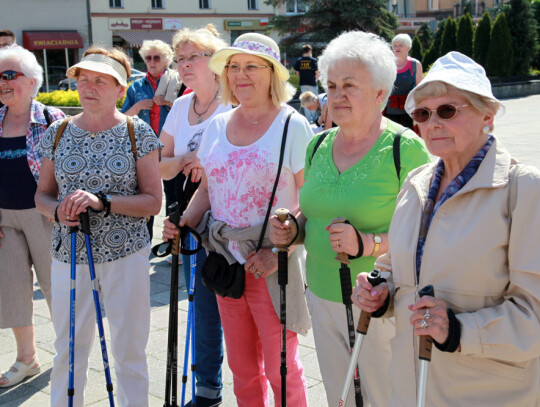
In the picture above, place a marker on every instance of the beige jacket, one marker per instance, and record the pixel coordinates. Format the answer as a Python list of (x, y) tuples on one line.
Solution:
[(485, 264), (169, 84)]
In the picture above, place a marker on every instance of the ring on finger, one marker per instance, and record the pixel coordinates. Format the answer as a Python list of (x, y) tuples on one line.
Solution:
[(423, 324), (427, 315), (252, 268), (258, 274), (338, 244)]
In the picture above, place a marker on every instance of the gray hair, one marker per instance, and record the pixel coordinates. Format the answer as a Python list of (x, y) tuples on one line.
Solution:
[(366, 49), (28, 64), (164, 49), (404, 39)]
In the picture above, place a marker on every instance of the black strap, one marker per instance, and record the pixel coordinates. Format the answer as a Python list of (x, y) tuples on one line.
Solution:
[(397, 153), (281, 155), (318, 143), (47, 116)]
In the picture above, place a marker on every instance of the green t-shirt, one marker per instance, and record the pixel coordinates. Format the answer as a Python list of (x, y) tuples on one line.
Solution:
[(365, 194)]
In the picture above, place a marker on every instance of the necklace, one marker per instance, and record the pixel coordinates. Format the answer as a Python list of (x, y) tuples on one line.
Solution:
[(199, 115)]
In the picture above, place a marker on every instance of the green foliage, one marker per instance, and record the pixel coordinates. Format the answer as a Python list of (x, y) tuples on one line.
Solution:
[(500, 58), (430, 57), (467, 8), (66, 98), (522, 28), (535, 5), (448, 42), (482, 40), (326, 19), (416, 49), (425, 36), (465, 33)]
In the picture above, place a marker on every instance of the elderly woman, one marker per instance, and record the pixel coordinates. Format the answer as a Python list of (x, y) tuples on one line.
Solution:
[(182, 134), (409, 74), (352, 174), (141, 100), (463, 224), (94, 169), (23, 230), (239, 159), (319, 104)]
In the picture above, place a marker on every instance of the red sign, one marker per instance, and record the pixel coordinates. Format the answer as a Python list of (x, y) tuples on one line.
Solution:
[(146, 24), (52, 39)]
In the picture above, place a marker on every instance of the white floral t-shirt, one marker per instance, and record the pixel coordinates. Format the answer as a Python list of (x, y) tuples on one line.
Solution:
[(240, 179)]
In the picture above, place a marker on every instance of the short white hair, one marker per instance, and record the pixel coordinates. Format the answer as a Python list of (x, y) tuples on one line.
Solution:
[(366, 49), (164, 49), (404, 39), (28, 64)]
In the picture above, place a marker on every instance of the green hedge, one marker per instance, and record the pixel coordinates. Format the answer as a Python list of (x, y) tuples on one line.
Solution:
[(66, 98)]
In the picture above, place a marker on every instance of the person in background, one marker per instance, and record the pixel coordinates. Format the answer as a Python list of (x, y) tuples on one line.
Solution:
[(141, 101), (94, 169), (353, 175), (182, 135), (308, 72), (24, 232), (409, 74), (7, 38), (467, 224), (319, 104)]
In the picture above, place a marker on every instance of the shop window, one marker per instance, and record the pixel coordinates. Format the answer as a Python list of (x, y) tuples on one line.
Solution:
[(204, 4), (253, 5), (116, 3), (158, 3), (296, 6)]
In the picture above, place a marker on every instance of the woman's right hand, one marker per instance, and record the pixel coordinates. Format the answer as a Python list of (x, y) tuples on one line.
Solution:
[(366, 297), (145, 104), (281, 234), (190, 164), (74, 204)]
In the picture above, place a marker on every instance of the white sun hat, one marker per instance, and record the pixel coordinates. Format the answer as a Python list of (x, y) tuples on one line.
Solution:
[(254, 44), (100, 63), (461, 72)]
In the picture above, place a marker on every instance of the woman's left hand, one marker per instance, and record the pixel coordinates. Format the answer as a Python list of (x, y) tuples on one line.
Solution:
[(261, 263), (343, 238), (433, 311), (76, 202), (190, 164)]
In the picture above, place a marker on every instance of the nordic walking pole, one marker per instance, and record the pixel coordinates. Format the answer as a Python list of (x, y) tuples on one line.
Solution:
[(375, 279), (346, 292), (172, 340), (71, 388), (425, 343), (85, 228), (190, 333), (283, 277)]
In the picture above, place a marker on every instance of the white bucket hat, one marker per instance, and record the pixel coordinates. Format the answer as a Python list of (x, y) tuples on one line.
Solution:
[(100, 63), (254, 44), (461, 72)]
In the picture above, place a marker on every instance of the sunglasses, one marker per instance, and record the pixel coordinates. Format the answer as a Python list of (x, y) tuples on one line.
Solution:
[(445, 112), (10, 75), (149, 58)]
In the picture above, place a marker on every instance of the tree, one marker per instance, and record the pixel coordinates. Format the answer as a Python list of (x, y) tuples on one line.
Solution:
[(448, 42), (536, 13), (481, 40), (465, 33), (430, 56), (500, 58), (416, 49), (326, 19), (425, 36), (522, 28), (467, 8)]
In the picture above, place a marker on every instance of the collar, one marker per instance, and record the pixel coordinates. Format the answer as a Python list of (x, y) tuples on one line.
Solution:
[(36, 113), (152, 80)]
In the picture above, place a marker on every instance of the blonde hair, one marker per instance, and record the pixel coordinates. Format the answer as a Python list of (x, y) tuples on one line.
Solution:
[(280, 91), (161, 47), (115, 53), (307, 98), (204, 38)]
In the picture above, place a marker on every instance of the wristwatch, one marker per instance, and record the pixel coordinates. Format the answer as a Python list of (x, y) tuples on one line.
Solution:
[(106, 200), (377, 240)]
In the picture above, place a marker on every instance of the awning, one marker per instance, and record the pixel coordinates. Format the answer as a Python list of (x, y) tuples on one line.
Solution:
[(52, 39), (136, 38)]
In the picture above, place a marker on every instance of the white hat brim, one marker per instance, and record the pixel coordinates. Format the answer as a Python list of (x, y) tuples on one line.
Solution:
[(100, 67)]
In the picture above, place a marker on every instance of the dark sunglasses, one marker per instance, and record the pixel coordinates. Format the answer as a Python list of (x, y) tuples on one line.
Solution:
[(10, 75), (445, 112), (149, 58)]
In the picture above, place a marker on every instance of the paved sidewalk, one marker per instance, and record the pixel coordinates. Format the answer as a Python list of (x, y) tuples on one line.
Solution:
[(519, 130)]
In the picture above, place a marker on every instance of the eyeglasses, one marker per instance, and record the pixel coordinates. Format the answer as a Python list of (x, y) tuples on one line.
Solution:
[(248, 69), (10, 75), (149, 58), (445, 112), (191, 58)]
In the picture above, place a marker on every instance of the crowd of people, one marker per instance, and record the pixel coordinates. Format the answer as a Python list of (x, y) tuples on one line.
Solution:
[(448, 208)]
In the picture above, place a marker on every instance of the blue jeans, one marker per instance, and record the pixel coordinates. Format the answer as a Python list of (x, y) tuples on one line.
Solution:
[(208, 333)]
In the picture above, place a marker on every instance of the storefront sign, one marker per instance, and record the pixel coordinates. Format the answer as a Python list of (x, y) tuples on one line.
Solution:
[(146, 24), (172, 23), (119, 23)]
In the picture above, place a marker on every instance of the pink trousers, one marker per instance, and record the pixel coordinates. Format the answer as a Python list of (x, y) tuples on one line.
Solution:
[(253, 339)]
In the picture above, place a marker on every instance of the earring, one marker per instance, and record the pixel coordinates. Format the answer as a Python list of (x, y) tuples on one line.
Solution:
[(485, 130)]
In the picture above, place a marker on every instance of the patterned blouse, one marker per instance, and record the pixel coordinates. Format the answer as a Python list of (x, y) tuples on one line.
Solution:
[(457, 183), (99, 162)]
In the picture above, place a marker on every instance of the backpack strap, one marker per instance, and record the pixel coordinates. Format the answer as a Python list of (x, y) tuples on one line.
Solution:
[(47, 115), (60, 132), (319, 141), (131, 132), (397, 153)]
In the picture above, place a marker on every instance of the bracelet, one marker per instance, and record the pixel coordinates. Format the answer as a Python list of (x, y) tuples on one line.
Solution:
[(360, 243), (56, 214), (454, 334)]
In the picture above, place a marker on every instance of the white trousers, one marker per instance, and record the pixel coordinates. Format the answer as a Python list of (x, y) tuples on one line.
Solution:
[(124, 287), (329, 323)]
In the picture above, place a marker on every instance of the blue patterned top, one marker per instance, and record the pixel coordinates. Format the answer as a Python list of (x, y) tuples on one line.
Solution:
[(457, 183)]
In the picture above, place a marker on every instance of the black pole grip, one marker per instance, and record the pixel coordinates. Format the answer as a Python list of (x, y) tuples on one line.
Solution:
[(375, 278), (346, 285), (85, 222), (174, 213), (427, 290)]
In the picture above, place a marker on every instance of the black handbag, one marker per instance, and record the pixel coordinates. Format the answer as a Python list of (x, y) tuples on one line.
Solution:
[(229, 280)]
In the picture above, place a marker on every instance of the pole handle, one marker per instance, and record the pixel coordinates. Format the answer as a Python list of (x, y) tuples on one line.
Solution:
[(425, 342), (341, 257), (375, 278), (174, 217), (282, 215), (85, 222)]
